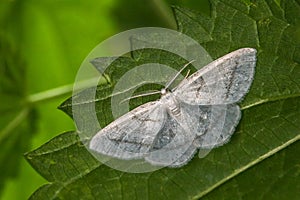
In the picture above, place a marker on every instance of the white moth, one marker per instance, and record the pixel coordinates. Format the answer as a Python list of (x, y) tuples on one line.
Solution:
[(200, 113)]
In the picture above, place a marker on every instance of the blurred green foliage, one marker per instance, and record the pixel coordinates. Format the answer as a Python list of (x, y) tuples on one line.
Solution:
[(52, 37)]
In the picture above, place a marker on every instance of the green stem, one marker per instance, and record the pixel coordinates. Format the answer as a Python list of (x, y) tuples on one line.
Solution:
[(60, 91), (44, 96), (50, 94)]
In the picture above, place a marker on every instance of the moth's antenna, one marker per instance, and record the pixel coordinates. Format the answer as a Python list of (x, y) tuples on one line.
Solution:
[(187, 74), (173, 79), (140, 95)]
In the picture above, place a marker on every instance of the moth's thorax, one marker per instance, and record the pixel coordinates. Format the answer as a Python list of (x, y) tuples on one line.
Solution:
[(163, 91), (169, 99)]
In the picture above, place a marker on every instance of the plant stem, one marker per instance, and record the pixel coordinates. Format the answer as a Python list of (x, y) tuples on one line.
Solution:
[(60, 91)]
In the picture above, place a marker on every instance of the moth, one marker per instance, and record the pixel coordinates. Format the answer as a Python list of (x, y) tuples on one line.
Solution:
[(200, 113)]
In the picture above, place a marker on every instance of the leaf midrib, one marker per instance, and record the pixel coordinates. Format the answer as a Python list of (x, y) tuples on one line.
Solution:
[(249, 165), (268, 100), (245, 107)]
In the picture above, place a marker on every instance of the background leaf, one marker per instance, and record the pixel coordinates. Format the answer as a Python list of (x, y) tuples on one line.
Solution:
[(18, 125), (265, 141)]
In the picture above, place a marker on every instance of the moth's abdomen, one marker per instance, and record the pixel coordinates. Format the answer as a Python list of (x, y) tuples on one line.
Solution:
[(172, 104), (175, 110)]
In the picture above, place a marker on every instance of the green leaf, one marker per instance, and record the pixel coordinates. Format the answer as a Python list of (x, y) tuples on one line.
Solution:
[(275, 178), (262, 154), (17, 118)]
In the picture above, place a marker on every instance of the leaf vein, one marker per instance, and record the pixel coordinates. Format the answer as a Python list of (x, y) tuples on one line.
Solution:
[(249, 165)]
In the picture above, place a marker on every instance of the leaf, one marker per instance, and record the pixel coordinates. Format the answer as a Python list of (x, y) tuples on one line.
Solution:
[(275, 178), (265, 140), (17, 119)]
